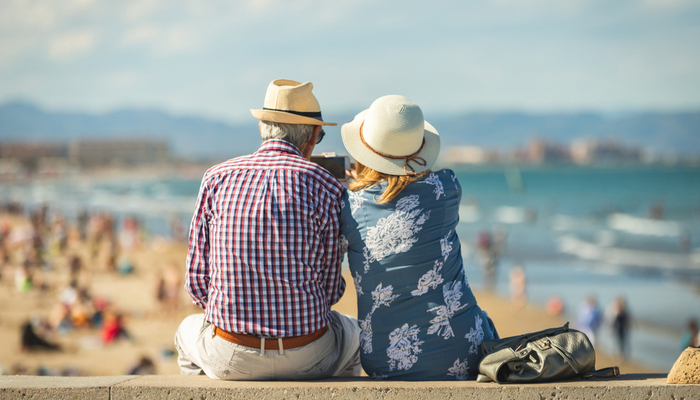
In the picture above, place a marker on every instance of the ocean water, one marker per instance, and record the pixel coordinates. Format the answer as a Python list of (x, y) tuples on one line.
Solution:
[(582, 232), (576, 231)]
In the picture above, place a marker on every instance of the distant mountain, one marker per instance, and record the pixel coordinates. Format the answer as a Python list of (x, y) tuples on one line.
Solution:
[(198, 137), (663, 132), (190, 137)]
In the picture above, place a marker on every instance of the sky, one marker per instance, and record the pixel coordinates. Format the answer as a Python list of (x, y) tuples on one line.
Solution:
[(216, 58)]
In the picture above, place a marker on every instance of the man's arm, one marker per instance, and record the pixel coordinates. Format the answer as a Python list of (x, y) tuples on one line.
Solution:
[(333, 279), (197, 276)]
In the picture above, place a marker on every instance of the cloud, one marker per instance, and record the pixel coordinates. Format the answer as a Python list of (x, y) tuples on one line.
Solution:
[(144, 34), (69, 45), (122, 80), (10, 49), (178, 39), (78, 4), (140, 9), (27, 14), (667, 4), (162, 41)]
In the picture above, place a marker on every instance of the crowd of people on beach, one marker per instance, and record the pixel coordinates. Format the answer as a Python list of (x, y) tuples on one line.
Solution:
[(591, 318), (43, 256)]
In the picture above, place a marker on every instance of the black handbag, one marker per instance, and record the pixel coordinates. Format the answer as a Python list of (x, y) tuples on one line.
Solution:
[(548, 355)]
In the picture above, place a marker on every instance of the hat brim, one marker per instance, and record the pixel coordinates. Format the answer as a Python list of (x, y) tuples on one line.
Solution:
[(287, 118), (350, 132)]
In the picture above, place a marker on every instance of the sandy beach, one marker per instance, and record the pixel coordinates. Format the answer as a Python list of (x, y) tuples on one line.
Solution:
[(149, 324)]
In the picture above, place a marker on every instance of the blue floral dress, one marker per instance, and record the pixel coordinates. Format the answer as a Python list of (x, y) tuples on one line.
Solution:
[(418, 317)]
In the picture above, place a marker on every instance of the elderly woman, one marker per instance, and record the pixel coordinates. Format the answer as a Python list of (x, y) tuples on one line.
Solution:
[(418, 317)]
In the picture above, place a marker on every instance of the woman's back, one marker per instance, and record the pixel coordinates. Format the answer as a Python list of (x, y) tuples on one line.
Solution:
[(418, 316)]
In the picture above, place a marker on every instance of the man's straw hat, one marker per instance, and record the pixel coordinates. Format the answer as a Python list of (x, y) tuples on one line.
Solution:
[(290, 102), (392, 137)]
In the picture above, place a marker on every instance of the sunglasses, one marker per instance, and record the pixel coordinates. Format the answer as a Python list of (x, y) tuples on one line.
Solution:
[(321, 134)]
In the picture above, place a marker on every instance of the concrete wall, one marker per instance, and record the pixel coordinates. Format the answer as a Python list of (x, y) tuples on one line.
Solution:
[(633, 386)]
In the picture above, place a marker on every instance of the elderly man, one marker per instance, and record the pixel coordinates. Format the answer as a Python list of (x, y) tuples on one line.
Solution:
[(264, 258)]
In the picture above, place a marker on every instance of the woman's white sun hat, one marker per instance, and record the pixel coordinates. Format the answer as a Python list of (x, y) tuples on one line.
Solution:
[(290, 102), (392, 137)]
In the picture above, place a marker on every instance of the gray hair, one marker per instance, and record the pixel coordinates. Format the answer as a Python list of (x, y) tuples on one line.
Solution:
[(296, 134)]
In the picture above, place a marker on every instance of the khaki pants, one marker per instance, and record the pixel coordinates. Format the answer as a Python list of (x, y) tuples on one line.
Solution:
[(336, 353)]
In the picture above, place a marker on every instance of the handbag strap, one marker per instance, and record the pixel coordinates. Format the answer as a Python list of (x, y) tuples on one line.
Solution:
[(518, 342), (609, 372)]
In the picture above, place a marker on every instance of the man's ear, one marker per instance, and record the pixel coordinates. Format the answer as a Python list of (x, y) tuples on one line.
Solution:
[(317, 129), (308, 147)]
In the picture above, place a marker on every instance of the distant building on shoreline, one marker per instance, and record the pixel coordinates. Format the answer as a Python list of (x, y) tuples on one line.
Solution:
[(594, 151), (97, 153), (468, 155), (539, 151), (19, 159), (30, 153)]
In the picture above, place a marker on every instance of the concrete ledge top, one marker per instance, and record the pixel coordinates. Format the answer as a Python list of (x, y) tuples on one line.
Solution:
[(174, 381), (26, 381), (637, 386)]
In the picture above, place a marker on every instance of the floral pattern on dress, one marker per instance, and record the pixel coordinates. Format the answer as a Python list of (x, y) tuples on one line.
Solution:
[(452, 292), (445, 246), (454, 180), (357, 201), (403, 347), (434, 180), (432, 278), (366, 333), (475, 336), (382, 296), (358, 280), (396, 233), (460, 370), (368, 258)]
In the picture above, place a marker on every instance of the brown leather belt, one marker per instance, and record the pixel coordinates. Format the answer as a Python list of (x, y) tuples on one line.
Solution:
[(270, 343)]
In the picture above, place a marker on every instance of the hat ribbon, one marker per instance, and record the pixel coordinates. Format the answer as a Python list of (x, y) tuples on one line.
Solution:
[(411, 157), (311, 114)]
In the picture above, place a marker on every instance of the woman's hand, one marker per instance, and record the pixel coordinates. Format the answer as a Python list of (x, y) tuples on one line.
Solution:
[(351, 173)]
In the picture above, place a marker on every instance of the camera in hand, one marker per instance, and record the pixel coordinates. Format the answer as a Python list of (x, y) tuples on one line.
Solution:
[(335, 164)]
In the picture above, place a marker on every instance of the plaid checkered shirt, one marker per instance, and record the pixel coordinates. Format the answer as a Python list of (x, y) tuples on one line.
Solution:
[(264, 257)]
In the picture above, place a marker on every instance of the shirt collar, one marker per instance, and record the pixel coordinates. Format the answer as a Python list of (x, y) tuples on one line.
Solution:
[(277, 145)]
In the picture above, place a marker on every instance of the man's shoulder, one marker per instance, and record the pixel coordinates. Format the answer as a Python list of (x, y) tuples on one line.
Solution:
[(320, 175), (226, 166), (300, 166)]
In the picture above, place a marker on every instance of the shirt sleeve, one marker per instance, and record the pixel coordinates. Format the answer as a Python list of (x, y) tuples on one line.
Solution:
[(333, 278), (197, 275)]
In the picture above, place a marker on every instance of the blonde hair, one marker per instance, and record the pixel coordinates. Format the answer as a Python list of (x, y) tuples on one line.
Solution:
[(368, 178)]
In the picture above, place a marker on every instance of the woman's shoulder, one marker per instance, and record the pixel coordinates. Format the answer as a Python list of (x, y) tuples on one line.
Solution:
[(439, 182), (444, 176)]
